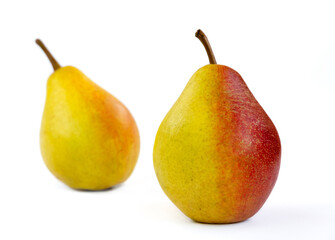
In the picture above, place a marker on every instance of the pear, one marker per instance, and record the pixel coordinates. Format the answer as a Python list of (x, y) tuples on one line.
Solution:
[(88, 138), (217, 153)]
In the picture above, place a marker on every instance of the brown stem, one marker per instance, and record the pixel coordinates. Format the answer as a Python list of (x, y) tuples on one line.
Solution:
[(202, 37), (53, 61)]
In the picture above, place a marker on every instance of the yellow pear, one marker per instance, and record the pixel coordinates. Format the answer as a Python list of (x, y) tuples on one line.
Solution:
[(217, 153), (88, 138)]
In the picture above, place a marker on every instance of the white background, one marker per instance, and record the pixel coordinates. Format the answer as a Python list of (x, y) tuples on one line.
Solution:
[(144, 52)]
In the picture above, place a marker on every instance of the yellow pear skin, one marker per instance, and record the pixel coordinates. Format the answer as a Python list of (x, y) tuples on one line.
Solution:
[(88, 138), (217, 153)]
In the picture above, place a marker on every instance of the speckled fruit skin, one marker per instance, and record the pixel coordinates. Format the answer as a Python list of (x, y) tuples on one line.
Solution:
[(217, 153), (89, 140)]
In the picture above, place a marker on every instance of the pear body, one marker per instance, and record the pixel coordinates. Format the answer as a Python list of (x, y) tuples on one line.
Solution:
[(88, 138), (217, 153)]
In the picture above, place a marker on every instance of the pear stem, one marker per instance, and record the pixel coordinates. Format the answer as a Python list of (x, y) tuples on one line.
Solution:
[(202, 37), (53, 61)]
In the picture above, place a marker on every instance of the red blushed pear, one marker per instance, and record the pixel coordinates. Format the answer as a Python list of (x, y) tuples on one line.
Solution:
[(89, 140), (217, 153)]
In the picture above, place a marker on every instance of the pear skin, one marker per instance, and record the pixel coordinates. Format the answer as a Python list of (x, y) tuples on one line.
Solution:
[(217, 153), (89, 140)]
